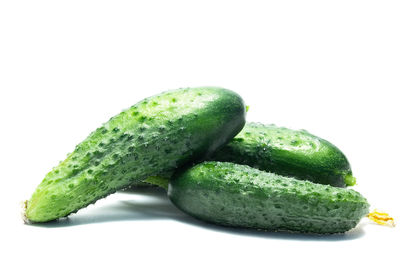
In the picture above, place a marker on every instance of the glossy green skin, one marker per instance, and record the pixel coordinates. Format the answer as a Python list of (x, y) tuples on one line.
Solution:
[(236, 195), (154, 136), (288, 152)]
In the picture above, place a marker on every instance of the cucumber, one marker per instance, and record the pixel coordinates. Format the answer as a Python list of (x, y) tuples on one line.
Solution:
[(236, 195), (153, 136), (288, 152), (294, 153)]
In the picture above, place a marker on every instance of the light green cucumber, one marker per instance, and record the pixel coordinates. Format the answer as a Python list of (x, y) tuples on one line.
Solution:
[(153, 136)]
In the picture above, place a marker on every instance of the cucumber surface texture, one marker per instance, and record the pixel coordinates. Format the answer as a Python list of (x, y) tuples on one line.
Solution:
[(154, 136), (236, 195), (294, 153)]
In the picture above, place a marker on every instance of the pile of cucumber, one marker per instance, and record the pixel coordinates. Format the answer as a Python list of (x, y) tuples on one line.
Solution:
[(216, 167)]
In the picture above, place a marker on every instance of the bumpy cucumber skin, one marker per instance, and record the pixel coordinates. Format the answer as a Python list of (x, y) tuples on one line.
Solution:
[(240, 196), (154, 136), (288, 152)]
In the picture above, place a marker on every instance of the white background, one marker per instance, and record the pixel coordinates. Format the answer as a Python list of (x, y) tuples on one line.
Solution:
[(331, 67)]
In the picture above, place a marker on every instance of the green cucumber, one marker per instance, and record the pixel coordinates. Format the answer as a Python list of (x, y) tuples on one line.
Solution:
[(288, 152), (236, 195), (153, 136)]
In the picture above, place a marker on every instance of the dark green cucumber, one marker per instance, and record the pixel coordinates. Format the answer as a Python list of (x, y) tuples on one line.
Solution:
[(288, 152), (240, 196), (154, 136)]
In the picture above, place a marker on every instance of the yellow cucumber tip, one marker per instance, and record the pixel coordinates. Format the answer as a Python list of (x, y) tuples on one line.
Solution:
[(381, 218)]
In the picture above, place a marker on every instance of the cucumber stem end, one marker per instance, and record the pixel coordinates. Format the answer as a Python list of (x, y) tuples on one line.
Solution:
[(349, 180)]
